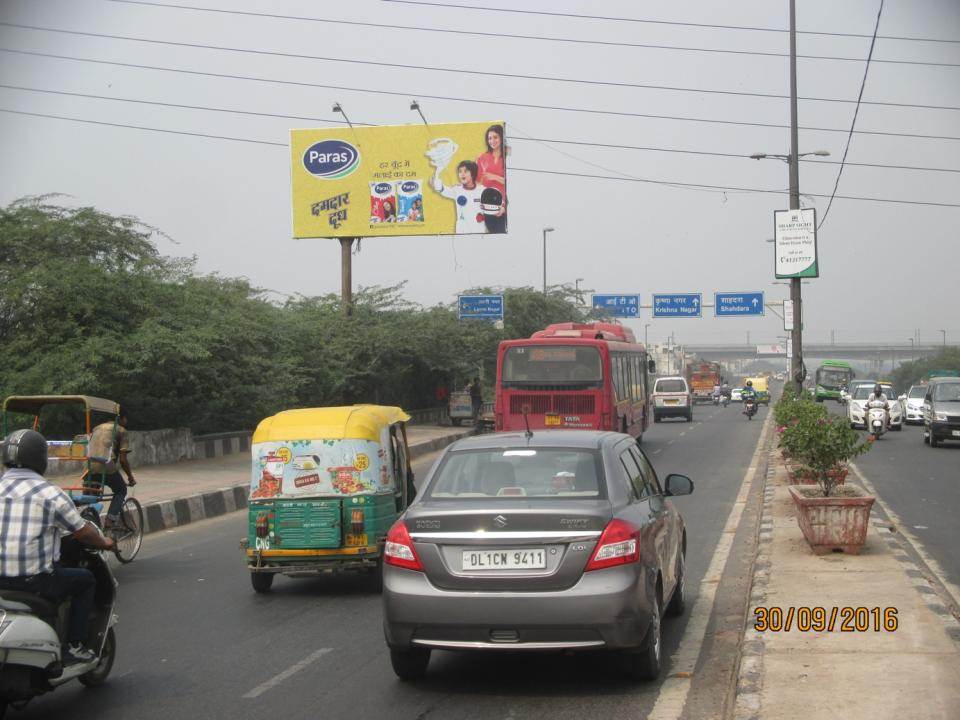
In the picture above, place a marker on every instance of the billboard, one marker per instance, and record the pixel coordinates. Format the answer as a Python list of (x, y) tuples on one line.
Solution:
[(795, 243), (391, 180)]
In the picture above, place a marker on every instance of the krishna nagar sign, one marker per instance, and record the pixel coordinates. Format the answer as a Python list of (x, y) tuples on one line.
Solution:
[(795, 243)]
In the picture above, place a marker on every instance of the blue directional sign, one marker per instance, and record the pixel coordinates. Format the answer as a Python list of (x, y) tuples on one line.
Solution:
[(674, 305), (738, 304), (482, 307), (627, 306)]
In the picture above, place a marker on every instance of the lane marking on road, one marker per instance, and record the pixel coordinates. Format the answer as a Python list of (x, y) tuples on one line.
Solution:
[(683, 433), (674, 690), (657, 451), (902, 530), (292, 670)]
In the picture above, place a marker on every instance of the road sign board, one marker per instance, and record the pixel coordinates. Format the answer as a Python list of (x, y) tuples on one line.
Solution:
[(738, 304), (774, 349), (481, 307), (788, 314), (618, 305), (677, 305), (795, 243)]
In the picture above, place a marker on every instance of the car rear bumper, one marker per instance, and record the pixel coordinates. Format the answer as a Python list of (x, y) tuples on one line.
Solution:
[(671, 411), (605, 609)]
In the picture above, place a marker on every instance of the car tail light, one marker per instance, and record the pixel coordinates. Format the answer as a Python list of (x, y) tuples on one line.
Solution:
[(398, 549), (262, 525), (618, 545)]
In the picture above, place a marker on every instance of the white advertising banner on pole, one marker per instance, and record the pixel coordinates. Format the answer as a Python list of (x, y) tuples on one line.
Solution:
[(795, 243), (789, 348), (788, 314), (774, 349)]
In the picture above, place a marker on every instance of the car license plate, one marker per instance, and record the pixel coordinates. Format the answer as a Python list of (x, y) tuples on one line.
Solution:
[(956, 433), (519, 558), (356, 539), (551, 420), (673, 401)]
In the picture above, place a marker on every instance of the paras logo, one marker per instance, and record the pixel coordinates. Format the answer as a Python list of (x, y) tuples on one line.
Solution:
[(382, 188), (331, 159), (409, 187)]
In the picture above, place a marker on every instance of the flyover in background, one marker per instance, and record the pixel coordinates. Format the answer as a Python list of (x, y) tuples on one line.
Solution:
[(878, 352)]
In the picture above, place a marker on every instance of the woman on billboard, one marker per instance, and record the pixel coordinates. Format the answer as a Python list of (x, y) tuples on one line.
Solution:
[(492, 172)]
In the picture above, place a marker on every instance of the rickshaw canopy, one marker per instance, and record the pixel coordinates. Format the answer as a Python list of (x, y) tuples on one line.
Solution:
[(33, 403), (354, 422)]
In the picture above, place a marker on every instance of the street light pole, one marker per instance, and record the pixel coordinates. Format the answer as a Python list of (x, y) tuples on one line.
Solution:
[(796, 362), (911, 348), (545, 231), (645, 326), (576, 284), (944, 337)]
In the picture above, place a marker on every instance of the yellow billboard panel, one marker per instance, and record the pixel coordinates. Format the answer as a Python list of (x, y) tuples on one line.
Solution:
[(399, 180)]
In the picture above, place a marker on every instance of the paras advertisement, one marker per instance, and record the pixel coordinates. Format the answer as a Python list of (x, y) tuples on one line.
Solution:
[(447, 179)]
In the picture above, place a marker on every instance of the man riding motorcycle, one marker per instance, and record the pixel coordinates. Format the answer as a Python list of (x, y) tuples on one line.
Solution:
[(34, 514), (878, 399), (748, 395)]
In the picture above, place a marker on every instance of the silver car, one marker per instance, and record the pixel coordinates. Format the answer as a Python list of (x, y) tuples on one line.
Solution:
[(556, 540)]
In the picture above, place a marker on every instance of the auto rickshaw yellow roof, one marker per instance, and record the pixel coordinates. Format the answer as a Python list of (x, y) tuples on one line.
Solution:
[(33, 403), (359, 422)]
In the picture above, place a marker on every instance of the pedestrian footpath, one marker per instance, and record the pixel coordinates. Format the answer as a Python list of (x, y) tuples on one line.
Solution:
[(901, 661), (192, 490)]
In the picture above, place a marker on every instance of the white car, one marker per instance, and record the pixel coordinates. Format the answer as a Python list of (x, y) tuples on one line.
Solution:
[(856, 413), (913, 411), (736, 395)]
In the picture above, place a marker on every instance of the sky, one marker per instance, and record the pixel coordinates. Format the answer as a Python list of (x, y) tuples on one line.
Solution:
[(887, 269)]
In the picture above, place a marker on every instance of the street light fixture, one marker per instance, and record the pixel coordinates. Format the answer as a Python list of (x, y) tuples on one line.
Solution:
[(545, 231), (786, 158)]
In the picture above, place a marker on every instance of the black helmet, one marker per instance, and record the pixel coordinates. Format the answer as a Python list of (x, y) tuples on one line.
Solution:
[(25, 449), (749, 383)]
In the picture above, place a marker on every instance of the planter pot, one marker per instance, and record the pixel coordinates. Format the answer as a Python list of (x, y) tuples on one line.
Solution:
[(798, 476), (833, 523)]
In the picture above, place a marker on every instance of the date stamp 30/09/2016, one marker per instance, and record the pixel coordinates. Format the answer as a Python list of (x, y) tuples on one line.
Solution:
[(822, 619)]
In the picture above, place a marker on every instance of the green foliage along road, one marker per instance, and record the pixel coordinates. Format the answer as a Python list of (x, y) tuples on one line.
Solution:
[(88, 305), (910, 373)]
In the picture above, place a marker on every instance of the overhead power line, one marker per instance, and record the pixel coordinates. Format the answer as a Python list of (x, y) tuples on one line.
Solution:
[(654, 22), (553, 141), (856, 110), (512, 36), (504, 103), (669, 183), (468, 71)]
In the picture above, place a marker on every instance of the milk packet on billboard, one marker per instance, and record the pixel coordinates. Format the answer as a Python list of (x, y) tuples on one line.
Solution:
[(383, 203), (410, 201)]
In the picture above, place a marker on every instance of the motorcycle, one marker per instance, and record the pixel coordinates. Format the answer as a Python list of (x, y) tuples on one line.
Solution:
[(876, 420), (32, 632), (750, 408), (724, 400)]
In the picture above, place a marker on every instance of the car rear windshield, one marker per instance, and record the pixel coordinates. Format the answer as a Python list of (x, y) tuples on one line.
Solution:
[(862, 392), (917, 391), (947, 392), (670, 386), (519, 472), (552, 364)]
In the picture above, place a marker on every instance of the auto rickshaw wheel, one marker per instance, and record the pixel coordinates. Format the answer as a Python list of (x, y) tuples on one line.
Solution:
[(261, 581)]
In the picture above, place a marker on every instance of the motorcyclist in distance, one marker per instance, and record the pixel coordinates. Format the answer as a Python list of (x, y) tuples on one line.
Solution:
[(748, 394), (878, 399)]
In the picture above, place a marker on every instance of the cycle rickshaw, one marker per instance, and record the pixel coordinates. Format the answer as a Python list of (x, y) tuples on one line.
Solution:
[(52, 415)]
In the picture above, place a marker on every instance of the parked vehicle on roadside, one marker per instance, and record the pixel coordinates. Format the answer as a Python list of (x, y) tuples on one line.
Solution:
[(459, 407), (326, 485), (672, 397), (941, 411), (555, 540)]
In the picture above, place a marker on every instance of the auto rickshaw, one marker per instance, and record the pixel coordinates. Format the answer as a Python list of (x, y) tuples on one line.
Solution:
[(53, 415), (326, 486)]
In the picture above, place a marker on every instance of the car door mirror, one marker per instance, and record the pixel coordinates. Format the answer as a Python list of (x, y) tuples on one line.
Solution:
[(678, 485), (902, 397)]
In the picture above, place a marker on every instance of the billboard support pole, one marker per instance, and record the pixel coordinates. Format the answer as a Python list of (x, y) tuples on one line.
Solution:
[(796, 362), (346, 278)]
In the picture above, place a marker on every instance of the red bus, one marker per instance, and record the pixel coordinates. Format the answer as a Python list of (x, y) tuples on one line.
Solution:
[(575, 376)]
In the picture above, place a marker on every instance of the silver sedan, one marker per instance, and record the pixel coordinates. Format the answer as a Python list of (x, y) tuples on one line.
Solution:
[(561, 540)]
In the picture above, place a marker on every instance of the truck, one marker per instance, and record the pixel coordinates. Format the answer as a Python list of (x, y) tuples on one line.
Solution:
[(702, 376)]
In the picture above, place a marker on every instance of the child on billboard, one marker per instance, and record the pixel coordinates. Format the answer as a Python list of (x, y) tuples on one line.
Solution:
[(466, 196)]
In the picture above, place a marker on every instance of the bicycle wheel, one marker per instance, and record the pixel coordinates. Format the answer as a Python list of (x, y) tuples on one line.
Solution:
[(128, 533)]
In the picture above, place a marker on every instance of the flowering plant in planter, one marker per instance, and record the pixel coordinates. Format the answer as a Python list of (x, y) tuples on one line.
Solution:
[(824, 445)]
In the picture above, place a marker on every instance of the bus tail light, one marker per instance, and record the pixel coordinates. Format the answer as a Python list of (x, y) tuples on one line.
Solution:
[(605, 422)]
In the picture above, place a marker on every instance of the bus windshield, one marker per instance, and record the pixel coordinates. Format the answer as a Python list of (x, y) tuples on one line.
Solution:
[(832, 377), (552, 364)]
